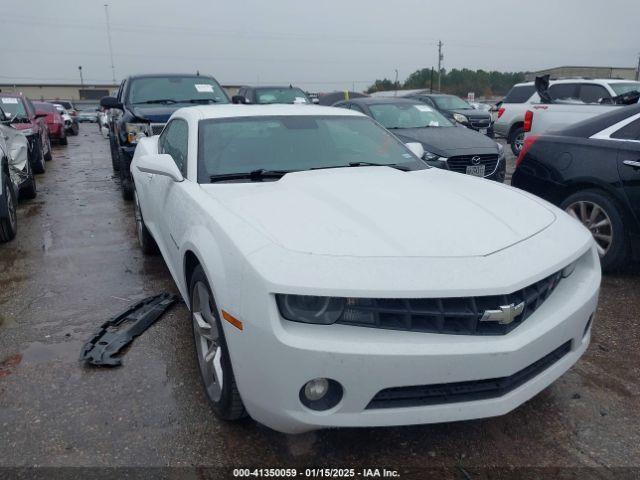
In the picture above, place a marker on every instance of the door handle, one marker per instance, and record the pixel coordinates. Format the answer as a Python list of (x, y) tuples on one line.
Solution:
[(632, 163)]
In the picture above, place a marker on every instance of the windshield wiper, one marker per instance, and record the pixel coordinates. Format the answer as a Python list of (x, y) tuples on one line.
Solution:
[(254, 176), (198, 100), (165, 101), (366, 164)]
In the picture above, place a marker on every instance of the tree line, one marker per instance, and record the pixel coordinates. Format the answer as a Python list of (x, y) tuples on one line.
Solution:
[(455, 81)]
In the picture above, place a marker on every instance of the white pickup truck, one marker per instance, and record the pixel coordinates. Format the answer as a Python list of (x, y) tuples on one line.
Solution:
[(542, 118), (552, 115)]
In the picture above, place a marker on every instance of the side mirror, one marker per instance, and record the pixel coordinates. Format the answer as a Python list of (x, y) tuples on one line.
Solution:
[(110, 102), (238, 99), (161, 164), (416, 148)]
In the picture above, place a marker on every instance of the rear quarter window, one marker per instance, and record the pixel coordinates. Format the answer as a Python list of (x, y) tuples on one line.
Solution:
[(520, 94)]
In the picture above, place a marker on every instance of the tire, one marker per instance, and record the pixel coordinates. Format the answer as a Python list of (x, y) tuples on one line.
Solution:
[(8, 214), (115, 159), (37, 162), (75, 129), (516, 140), (224, 398), (147, 243), (126, 182), (47, 156), (64, 140), (607, 223), (29, 190)]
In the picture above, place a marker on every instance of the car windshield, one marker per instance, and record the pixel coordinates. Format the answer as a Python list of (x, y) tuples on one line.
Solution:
[(280, 95), (13, 107), (622, 88), (403, 115), (163, 90), (294, 143), (450, 102)]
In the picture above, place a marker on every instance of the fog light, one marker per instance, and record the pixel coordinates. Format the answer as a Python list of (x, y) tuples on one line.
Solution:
[(315, 389), (321, 394)]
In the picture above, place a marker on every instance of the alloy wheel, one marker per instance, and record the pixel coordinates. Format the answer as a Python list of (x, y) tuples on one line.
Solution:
[(208, 345), (595, 218), (519, 141)]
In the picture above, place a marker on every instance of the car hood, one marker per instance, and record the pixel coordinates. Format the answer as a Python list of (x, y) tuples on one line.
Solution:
[(449, 141), (384, 212), (155, 113)]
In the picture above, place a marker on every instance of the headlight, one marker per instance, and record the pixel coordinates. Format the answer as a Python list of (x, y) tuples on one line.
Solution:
[(434, 160), (136, 131), (500, 150), (460, 118), (308, 309), (27, 131)]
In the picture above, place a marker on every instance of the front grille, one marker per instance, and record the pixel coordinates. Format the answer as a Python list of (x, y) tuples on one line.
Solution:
[(459, 164), (422, 395), (453, 316), (156, 128)]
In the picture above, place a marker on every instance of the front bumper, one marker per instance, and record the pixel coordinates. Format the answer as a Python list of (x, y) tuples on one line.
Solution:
[(273, 358)]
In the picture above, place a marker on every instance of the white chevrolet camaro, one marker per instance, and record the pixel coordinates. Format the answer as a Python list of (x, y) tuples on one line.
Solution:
[(335, 280)]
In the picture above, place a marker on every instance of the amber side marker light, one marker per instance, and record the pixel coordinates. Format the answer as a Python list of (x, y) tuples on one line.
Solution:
[(232, 320)]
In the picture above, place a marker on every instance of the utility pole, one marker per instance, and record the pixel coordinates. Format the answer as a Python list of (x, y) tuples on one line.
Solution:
[(395, 84), (440, 58), (431, 82), (638, 69), (81, 79), (113, 68)]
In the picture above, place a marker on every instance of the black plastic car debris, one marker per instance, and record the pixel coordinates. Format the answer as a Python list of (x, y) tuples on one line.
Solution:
[(113, 335)]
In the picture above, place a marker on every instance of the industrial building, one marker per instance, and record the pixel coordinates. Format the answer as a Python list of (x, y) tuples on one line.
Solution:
[(630, 73)]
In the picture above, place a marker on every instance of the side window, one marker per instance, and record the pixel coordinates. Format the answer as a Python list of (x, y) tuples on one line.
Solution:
[(173, 141), (357, 108), (564, 91), (591, 93), (629, 132), (121, 91)]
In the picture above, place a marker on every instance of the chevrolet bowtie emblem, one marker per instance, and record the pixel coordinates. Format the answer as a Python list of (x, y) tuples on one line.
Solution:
[(505, 315)]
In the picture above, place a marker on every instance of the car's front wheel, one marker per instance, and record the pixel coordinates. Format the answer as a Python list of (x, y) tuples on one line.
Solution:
[(212, 353), (47, 148), (600, 214), (37, 159), (29, 189), (146, 241)]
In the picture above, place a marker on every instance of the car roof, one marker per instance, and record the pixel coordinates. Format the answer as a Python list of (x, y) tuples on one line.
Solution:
[(255, 87), (382, 100), (165, 75), (241, 110), (579, 80)]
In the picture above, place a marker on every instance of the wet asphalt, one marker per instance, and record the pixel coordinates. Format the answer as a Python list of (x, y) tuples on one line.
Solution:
[(76, 263)]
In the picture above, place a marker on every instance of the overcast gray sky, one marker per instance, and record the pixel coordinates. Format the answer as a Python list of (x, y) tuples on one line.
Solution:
[(318, 45)]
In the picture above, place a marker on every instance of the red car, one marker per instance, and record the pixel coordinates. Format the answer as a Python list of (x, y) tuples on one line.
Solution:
[(54, 121), (23, 117)]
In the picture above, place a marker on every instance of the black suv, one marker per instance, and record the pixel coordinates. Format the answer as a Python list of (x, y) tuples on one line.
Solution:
[(143, 106), (458, 110)]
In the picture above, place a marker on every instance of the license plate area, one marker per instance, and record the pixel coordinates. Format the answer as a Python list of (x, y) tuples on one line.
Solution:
[(475, 170)]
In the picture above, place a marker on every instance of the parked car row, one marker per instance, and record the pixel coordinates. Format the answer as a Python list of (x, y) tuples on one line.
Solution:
[(27, 129)]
